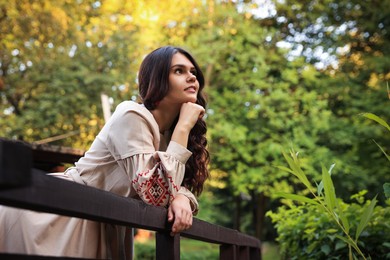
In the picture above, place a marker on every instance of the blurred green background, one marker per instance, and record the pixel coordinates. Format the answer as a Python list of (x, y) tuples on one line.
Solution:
[(280, 74)]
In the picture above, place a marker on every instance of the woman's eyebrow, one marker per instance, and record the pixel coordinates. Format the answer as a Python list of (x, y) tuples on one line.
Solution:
[(182, 66)]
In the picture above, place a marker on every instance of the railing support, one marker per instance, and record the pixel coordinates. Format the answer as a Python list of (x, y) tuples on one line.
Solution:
[(228, 252), (244, 253), (167, 246), (234, 252), (15, 164), (255, 253)]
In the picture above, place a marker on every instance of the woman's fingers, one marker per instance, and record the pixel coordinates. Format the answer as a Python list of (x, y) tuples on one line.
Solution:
[(183, 221), (190, 113), (182, 214)]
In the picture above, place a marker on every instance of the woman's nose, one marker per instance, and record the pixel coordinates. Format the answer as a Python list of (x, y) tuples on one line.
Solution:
[(191, 77)]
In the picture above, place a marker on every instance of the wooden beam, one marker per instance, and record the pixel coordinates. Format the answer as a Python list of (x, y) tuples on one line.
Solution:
[(54, 195), (50, 194)]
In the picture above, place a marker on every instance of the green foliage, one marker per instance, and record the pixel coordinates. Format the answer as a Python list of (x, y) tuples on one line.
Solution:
[(189, 250), (328, 203), (386, 188), (145, 251), (345, 218), (381, 122), (354, 86), (53, 70), (305, 231), (258, 103)]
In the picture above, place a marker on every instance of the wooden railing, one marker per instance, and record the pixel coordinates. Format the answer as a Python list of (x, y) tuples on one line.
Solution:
[(23, 186)]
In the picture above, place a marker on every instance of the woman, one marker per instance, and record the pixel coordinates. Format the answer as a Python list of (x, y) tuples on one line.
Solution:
[(155, 151)]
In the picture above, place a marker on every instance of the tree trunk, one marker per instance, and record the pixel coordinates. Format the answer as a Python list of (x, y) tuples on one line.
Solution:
[(259, 210), (237, 213)]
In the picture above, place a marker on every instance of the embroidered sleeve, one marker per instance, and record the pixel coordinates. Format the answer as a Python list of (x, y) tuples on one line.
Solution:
[(159, 176), (155, 176)]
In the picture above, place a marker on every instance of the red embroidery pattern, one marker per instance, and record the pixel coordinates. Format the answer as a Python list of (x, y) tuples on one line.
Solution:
[(154, 189), (157, 191)]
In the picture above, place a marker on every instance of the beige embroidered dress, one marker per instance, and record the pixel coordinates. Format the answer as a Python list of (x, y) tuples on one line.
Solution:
[(129, 157)]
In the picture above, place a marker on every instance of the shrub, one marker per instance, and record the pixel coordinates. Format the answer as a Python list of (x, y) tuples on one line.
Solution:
[(305, 232), (328, 228)]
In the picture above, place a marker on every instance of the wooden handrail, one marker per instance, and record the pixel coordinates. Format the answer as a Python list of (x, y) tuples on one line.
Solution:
[(40, 193)]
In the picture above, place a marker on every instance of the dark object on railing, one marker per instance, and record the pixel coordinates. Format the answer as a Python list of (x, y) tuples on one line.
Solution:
[(55, 154), (50, 158), (42, 195), (15, 163)]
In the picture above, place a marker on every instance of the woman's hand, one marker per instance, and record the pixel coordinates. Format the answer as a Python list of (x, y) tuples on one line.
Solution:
[(189, 115), (180, 213)]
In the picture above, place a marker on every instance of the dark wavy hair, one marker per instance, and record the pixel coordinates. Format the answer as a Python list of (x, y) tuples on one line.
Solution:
[(153, 80)]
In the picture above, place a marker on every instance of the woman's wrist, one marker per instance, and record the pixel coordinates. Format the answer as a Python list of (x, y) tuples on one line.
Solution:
[(180, 135), (184, 198)]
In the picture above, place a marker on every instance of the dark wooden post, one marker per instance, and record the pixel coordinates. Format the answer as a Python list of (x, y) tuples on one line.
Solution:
[(243, 253), (255, 253), (167, 247), (15, 163), (228, 252)]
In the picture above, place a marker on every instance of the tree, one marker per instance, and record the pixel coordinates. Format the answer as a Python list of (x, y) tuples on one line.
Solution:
[(55, 61), (352, 35), (259, 103)]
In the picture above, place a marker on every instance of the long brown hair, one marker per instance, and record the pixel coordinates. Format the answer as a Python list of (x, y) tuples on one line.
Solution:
[(153, 80)]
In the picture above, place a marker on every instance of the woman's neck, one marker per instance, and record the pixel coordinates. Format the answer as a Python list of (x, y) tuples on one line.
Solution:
[(165, 116)]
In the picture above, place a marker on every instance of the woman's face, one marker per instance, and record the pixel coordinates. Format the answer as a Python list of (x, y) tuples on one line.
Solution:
[(183, 84)]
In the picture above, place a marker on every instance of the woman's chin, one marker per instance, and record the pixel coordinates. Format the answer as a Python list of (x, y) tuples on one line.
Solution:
[(192, 100)]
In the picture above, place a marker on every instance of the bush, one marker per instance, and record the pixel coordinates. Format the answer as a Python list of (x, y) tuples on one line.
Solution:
[(144, 251), (323, 228), (306, 232)]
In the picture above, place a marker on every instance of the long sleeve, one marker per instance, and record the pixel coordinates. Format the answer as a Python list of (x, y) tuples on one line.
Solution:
[(155, 176)]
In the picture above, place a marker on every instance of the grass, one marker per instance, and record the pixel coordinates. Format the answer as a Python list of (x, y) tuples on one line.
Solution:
[(270, 251), (197, 250)]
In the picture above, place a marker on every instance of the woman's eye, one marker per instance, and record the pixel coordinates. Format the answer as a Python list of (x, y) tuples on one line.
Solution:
[(178, 71), (194, 72)]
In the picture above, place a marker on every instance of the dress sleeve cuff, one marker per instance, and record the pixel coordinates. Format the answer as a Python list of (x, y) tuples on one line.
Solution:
[(193, 202), (178, 151)]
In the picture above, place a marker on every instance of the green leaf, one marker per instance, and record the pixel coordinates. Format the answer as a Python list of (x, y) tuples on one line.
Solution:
[(344, 220), (376, 119), (295, 197), (330, 194), (326, 249), (312, 246), (331, 168), (285, 169), (348, 241), (386, 189), (340, 244), (365, 217), (293, 162), (331, 230), (320, 186), (383, 151)]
